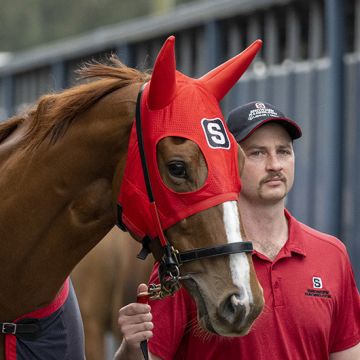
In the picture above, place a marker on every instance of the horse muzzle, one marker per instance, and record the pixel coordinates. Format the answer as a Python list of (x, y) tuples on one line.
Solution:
[(236, 314)]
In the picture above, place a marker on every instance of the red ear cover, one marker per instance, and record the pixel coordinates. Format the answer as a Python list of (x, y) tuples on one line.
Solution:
[(220, 80), (163, 80)]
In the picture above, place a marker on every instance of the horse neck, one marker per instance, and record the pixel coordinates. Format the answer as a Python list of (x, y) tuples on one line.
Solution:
[(59, 203)]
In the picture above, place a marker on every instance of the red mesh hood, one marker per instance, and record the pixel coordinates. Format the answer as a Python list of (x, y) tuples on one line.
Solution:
[(190, 111)]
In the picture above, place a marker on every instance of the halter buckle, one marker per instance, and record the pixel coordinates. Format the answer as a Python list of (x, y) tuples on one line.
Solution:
[(169, 275)]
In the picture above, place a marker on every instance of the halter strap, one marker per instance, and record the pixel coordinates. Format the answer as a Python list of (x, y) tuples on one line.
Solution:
[(153, 207), (227, 249), (141, 145)]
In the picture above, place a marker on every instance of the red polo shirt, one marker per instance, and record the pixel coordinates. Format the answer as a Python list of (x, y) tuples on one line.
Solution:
[(312, 307)]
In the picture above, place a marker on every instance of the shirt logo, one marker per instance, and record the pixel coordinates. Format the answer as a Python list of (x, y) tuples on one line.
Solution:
[(317, 282), (215, 133), (317, 289)]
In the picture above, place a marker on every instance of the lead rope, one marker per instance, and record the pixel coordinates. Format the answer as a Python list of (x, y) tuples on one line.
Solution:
[(143, 298)]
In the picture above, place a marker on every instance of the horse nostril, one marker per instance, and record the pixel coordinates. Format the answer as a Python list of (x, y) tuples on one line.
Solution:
[(233, 309), (235, 300), (239, 296)]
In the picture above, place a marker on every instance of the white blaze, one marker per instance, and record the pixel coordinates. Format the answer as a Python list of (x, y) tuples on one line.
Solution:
[(239, 265)]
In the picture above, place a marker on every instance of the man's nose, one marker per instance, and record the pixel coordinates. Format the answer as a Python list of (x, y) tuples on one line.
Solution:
[(274, 163)]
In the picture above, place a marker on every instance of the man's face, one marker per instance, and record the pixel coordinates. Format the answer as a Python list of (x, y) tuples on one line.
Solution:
[(268, 173)]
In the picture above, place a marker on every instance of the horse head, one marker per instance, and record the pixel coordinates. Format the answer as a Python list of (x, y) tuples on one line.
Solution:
[(181, 187)]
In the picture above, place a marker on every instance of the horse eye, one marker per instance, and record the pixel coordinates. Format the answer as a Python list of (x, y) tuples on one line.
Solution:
[(177, 169)]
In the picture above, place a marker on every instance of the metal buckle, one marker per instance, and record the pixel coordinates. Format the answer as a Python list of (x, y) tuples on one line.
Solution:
[(8, 328), (155, 292), (169, 276), (176, 256)]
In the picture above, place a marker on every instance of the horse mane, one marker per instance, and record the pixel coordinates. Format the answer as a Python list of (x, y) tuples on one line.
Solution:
[(8, 127), (54, 113)]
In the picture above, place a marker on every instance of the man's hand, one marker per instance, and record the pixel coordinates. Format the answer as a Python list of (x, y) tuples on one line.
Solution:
[(136, 326), (135, 322)]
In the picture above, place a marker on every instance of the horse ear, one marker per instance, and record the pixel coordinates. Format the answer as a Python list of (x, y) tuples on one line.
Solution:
[(163, 81), (220, 80)]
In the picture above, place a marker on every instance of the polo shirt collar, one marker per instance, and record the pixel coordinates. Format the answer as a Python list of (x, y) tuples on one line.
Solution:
[(295, 242)]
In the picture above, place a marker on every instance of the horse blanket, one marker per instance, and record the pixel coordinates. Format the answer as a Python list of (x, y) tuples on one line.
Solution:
[(61, 335)]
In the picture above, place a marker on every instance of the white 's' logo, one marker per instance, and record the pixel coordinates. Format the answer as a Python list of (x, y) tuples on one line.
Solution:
[(317, 282), (215, 133)]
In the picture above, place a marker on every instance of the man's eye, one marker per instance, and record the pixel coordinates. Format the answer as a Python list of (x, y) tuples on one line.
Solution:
[(177, 169), (256, 153), (284, 152)]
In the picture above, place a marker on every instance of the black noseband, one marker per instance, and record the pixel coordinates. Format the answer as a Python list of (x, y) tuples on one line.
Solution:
[(227, 249)]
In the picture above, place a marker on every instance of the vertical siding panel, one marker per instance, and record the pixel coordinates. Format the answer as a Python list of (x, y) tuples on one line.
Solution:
[(351, 179), (304, 84)]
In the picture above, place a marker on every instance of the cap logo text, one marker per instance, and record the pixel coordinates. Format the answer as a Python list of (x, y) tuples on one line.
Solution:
[(260, 105), (262, 112)]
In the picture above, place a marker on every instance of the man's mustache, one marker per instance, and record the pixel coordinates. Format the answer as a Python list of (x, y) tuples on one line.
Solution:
[(274, 176)]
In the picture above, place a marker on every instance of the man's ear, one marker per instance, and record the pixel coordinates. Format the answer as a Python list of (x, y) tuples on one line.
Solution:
[(241, 159)]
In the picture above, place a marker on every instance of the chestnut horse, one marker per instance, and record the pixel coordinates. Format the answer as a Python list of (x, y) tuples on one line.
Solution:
[(62, 165), (105, 280)]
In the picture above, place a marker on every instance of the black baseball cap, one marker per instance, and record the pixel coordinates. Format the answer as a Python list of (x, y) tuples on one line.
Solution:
[(245, 119)]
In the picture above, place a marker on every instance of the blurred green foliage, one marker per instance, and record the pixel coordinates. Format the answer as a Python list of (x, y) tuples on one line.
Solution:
[(27, 23)]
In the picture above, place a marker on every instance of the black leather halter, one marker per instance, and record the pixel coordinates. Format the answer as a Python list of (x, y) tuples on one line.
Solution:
[(172, 259)]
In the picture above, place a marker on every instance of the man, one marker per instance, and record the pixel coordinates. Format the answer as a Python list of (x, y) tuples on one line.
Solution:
[(312, 306)]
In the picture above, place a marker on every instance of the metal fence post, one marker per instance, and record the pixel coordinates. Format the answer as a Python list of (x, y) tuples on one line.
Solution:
[(8, 86), (335, 105)]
